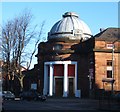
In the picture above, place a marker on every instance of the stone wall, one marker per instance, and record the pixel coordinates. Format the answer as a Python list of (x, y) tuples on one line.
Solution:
[(102, 54)]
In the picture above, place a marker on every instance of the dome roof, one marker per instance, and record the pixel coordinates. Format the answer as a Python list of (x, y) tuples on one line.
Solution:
[(70, 26)]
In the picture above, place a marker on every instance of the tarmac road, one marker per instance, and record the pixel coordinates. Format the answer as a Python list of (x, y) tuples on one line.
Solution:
[(60, 104)]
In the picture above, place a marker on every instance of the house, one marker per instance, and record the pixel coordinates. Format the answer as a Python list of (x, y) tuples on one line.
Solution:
[(106, 56)]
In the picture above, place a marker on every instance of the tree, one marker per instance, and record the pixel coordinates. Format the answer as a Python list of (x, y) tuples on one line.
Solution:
[(16, 35)]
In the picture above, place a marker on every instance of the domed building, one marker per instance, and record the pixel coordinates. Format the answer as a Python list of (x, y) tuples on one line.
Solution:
[(60, 60), (70, 27), (69, 62)]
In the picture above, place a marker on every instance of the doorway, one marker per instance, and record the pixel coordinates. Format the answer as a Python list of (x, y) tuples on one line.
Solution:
[(58, 87), (71, 87)]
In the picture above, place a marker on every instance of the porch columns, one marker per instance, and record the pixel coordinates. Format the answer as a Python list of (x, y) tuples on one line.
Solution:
[(65, 88), (45, 90), (51, 81)]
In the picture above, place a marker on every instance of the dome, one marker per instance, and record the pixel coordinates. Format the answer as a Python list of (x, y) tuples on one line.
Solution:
[(70, 26)]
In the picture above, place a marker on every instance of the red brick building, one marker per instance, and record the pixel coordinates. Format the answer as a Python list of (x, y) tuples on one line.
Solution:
[(73, 62), (107, 59)]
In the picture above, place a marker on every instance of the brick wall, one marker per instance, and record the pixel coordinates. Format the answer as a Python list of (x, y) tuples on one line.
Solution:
[(102, 54)]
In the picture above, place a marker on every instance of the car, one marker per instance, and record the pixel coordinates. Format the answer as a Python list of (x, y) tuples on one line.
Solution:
[(1, 101), (8, 95), (32, 95)]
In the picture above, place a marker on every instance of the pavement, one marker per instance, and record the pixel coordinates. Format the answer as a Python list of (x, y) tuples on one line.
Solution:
[(62, 104), (87, 104)]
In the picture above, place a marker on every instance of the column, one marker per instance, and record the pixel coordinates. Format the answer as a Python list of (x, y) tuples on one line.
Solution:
[(51, 81), (77, 92), (45, 90), (65, 91), (76, 77)]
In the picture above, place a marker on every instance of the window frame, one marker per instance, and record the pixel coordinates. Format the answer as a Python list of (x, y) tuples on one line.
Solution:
[(109, 73)]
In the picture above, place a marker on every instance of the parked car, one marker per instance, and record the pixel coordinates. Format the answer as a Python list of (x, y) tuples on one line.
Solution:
[(1, 101), (8, 95), (32, 95)]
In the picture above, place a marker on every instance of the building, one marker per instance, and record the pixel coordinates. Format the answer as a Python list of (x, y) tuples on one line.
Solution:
[(107, 59), (74, 63)]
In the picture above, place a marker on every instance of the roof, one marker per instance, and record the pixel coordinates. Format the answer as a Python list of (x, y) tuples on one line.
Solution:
[(70, 26), (109, 34)]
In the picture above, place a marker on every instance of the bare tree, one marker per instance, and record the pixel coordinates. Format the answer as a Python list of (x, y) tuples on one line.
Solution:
[(7, 45), (37, 41), (16, 35)]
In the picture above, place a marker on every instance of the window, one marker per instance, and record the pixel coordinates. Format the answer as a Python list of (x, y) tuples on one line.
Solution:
[(57, 47), (109, 69), (109, 62), (109, 73)]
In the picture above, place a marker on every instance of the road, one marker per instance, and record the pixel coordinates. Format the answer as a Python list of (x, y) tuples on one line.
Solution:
[(60, 104)]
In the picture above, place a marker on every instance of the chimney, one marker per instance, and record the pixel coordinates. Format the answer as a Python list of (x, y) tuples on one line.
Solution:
[(102, 29)]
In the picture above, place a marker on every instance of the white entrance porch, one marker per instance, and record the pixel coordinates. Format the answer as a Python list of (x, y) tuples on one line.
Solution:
[(49, 82)]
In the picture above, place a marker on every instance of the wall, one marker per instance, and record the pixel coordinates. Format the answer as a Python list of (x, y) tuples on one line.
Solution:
[(102, 54)]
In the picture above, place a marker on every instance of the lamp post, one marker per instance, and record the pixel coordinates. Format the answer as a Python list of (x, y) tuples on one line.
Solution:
[(113, 49), (113, 59), (112, 82)]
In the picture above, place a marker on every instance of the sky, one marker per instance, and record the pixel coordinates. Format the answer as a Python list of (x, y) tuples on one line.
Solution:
[(95, 14)]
